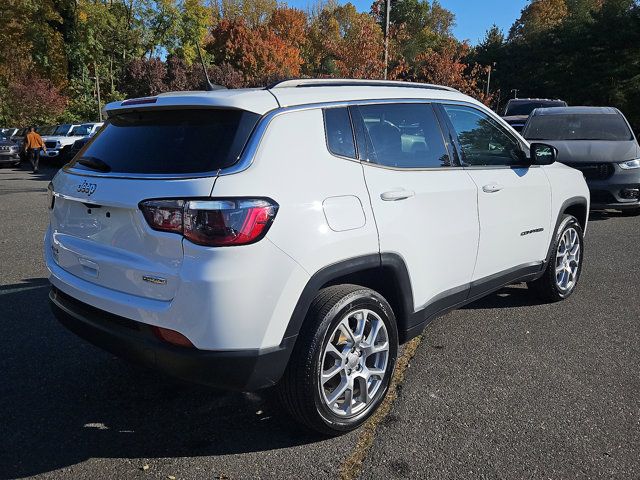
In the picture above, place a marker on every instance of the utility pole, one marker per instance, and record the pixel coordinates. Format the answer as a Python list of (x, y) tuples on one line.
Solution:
[(386, 38), (95, 69), (489, 77)]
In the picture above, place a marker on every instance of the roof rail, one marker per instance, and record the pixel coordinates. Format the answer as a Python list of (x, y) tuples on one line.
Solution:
[(349, 82)]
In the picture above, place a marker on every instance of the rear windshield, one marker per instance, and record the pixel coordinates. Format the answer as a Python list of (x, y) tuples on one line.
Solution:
[(171, 141), (578, 127), (525, 108)]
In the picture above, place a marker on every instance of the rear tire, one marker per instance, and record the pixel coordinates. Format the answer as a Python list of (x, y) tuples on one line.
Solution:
[(341, 366), (562, 273)]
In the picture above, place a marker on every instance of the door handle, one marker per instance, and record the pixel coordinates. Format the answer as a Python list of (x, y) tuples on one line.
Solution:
[(492, 188), (395, 195)]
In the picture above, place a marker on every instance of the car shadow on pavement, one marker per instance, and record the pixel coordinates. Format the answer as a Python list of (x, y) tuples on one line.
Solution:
[(508, 297), (45, 172), (64, 401), (600, 215)]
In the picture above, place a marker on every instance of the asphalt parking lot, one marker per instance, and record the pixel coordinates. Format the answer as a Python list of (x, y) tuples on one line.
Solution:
[(504, 388)]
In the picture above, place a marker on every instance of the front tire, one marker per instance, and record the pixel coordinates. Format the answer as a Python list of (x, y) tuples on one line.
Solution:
[(341, 367), (562, 273)]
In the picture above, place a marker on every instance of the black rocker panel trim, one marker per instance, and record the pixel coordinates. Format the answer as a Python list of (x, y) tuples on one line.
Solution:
[(410, 321)]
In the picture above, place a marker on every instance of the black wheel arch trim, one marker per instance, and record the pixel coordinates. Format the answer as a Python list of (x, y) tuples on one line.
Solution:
[(570, 202), (386, 263)]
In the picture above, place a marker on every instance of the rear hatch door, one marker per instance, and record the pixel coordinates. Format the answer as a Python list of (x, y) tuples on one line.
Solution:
[(98, 231)]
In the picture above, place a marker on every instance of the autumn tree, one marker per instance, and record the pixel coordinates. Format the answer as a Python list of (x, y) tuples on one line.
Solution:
[(345, 43), (145, 77), (32, 99), (446, 66), (195, 21), (253, 12), (260, 54), (538, 17)]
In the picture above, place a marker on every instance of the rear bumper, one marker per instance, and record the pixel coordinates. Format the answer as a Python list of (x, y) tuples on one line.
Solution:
[(244, 370)]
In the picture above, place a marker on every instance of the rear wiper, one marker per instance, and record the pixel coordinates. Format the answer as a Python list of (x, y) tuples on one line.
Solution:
[(94, 163)]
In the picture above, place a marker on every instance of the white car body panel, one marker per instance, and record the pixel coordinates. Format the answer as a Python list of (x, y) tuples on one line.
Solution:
[(440, 252), (566, 183), (312, 177), (511, 218)]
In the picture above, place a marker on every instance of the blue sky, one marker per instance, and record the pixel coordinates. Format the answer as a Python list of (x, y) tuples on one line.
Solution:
[(473, 17)]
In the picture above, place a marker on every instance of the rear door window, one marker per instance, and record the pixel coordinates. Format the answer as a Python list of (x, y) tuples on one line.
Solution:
[(170, 141), (403, 135)]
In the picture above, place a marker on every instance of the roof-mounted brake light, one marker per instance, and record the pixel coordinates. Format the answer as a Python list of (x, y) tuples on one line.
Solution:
[(139, 101)]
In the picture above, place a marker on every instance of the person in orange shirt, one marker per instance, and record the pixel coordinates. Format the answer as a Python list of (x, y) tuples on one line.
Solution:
[(33, 143)]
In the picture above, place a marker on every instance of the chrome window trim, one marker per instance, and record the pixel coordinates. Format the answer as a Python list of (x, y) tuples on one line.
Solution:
[(255, 139)]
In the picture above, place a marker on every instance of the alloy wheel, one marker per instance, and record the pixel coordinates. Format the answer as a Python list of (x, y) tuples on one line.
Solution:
[(568, 260), (354, 363)]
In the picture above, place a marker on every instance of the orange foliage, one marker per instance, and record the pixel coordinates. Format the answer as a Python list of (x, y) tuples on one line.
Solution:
[(259, 53), (445, 67), (290, 25), (345, 43)]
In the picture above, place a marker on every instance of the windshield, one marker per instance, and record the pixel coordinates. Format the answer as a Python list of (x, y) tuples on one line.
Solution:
[(80, 131), (62, 130), (578, 127), (171, 141), (526, 107)]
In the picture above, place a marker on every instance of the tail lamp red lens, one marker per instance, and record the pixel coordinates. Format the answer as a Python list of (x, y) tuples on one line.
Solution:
[(214, 223)]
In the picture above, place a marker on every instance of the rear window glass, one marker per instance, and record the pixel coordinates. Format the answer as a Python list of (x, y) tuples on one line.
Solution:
[(526, 107), (339, 132), (171, 141), (578, 127)]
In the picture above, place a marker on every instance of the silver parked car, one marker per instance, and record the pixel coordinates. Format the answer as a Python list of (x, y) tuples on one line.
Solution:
[(9, 151)]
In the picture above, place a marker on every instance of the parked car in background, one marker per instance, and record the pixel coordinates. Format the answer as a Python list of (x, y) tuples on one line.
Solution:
[(77, 146), (9, 132), (518, 109), (60, 141), (18, 139), (599, 142), (85, 131), (9, 151), (228, 237)]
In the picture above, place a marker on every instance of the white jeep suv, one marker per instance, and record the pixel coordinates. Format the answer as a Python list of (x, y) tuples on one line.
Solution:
[(294, 236)]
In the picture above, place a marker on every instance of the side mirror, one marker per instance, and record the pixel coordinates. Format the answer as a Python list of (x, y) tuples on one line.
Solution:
[(543, 154)]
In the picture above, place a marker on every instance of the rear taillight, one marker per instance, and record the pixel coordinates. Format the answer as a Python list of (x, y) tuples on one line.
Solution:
[(164, 215), (214, 223)]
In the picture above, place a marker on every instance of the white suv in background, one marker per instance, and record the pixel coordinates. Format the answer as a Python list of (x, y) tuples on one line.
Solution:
[(59, 144), (294, 236)]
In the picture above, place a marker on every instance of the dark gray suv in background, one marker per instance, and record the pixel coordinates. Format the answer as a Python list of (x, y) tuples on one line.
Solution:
[(517, 110), (598, 141)]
